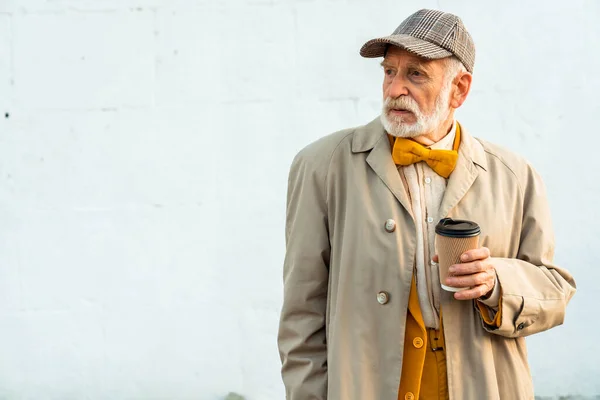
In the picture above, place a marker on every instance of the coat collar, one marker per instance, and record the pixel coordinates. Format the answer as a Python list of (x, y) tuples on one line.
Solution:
[(366, 136), (471, 160)]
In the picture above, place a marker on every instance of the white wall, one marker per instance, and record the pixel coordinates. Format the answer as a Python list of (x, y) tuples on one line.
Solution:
[(143, 169)]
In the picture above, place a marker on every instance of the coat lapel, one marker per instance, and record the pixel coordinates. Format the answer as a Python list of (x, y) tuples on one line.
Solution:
[(471, 160), (372, 137), (381, 162), (471, 157)]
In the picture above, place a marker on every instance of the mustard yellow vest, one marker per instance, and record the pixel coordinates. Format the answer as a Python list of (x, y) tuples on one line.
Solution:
[(424, 374)]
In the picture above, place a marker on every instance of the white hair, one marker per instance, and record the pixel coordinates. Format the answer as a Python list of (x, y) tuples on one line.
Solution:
[(453, 67)]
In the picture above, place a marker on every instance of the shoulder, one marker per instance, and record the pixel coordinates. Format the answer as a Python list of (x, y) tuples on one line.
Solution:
[(501, 159), (318, 154), (326, 146)]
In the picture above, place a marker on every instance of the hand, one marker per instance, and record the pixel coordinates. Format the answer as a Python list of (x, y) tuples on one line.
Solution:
[(476, 271)]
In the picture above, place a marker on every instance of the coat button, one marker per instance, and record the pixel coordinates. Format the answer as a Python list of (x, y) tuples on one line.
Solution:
[(390, 225), (383, 297), (409, 396), (418, 342)]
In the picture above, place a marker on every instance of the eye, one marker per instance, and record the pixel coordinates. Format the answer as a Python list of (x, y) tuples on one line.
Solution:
[(389, 71), (416, 73)]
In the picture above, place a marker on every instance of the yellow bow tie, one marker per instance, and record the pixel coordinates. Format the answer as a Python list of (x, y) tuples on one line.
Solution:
[(443, 162)]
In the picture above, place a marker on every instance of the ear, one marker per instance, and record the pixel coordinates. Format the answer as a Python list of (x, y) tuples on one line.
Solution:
[(462, 87)]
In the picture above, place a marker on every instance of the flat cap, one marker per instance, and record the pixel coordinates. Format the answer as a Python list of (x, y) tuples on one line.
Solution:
[(431, 34)]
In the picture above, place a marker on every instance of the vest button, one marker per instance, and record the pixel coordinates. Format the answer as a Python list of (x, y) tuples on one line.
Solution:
[(418, 342), (390, 225), (383, 297), (409, 396)]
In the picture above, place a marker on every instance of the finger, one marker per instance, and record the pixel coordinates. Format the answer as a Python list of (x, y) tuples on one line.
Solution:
[(475, 254), (481, 278), (468, 268), (472, 293), (435, 258)]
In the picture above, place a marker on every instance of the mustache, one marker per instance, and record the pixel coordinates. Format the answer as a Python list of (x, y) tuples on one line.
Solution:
[(404, 103)]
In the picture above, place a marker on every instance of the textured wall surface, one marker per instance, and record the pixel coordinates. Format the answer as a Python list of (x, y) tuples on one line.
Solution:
[(144, 151)]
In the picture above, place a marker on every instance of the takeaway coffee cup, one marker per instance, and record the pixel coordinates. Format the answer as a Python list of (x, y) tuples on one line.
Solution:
[(454, 237)]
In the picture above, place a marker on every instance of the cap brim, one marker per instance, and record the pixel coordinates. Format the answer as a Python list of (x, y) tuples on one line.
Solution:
[(377, 47)]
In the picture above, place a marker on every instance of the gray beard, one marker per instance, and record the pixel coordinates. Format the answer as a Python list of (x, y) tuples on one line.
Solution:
[(425, 123)]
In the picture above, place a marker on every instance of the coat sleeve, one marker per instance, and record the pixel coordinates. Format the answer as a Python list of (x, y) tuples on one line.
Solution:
[(301, 338), (534, 292)]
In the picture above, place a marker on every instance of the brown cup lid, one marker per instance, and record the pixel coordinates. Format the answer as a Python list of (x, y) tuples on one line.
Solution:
[(457, 228)]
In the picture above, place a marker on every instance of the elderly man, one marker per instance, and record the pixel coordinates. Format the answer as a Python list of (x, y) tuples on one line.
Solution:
[(364, 315)]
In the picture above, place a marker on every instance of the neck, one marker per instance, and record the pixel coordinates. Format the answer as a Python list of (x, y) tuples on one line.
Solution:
[(438, 134)]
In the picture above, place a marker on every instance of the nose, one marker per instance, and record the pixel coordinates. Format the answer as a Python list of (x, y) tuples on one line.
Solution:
[(396, 88)]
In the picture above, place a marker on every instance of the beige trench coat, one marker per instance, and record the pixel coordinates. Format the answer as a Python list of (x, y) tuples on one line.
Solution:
[(337, 342)]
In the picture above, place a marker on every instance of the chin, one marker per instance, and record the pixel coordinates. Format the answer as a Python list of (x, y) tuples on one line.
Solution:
[(398, 128)]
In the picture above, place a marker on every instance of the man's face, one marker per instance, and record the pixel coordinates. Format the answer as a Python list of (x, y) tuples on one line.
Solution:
[(416, 93)]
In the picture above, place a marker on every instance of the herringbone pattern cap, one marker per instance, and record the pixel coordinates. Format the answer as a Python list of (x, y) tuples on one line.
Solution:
[(430, 34)]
